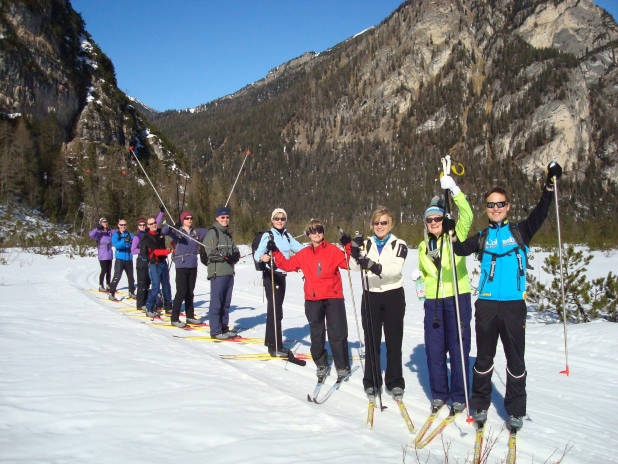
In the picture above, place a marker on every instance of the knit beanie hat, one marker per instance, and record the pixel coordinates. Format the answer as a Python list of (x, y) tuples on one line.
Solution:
[(140, 220), (102, 220), (184, 214), (436, 207), (278, 211), (221, 210)]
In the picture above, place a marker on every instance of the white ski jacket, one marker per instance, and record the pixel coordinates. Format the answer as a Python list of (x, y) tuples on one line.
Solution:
[(391, 259)]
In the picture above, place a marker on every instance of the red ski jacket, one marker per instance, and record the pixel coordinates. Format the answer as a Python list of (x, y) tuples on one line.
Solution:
[(320, 266)]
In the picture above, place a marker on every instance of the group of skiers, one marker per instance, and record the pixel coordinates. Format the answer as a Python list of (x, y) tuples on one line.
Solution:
[(500, 307)]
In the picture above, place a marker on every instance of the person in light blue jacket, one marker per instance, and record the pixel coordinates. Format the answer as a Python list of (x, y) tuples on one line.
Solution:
[(121, 241), (286, 245)]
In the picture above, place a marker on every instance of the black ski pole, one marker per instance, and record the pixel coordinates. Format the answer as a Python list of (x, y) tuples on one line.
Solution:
[(373, 354)]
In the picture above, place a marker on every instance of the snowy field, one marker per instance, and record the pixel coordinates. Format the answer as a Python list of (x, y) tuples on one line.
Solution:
[(85, 380)]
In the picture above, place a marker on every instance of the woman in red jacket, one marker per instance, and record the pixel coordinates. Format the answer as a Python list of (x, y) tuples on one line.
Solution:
[(320, 264)]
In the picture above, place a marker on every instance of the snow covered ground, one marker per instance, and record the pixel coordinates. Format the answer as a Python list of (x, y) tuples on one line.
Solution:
[(83, 380)]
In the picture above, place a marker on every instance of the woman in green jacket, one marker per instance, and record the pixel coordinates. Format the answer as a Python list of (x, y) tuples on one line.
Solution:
[(441, 335)]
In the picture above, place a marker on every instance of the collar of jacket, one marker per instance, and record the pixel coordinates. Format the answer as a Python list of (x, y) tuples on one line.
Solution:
[(321, 245), (220, 227), (498, 225)]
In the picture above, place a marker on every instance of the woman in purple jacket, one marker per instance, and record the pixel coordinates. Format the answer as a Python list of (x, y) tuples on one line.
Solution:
[(103, 236), (185, 259)]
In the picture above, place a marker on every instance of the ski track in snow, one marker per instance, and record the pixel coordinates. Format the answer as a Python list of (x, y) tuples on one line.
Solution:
[(84, 382)]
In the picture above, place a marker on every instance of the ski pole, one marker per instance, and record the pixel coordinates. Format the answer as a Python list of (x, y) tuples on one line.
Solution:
[(237, 176), (373, 354), (272, 283), (446, 162), (360, 343), (564, 309), (185, 235), (153, 187)]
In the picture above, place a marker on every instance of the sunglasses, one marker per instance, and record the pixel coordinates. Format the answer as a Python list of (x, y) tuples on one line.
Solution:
[(380, 223), (280, 219), (499, 204), (152, 223), (429, 220), (122, 225), (315, 230), (188, 218), (224, 217), (143, 224)]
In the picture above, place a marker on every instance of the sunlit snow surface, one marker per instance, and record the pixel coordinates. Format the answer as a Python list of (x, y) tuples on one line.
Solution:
[(83, 382)]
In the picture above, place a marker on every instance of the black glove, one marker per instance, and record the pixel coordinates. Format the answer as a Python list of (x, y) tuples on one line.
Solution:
[(235, 257), (553, 170), (358, 240), (162, 208), (345, 239), (99, 227), (177, 225), (366, 263), (271, 246), (355, 251), (448, 224), (376, 268)]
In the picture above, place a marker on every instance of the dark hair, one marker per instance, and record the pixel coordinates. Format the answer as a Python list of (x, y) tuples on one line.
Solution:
[(499, 190)]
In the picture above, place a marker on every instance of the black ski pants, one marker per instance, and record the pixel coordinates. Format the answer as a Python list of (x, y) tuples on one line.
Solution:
[(119, 266), (328, 316), (106, 271), (387, 310), (507, 320), (279, 278), (143, 281), (185, 284)]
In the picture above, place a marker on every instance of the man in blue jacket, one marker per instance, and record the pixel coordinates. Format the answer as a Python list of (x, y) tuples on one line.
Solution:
[(500, 308), (121, 241)]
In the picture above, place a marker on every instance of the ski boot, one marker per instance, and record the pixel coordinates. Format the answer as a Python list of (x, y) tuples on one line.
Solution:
[(322, 372), (514, 423), (343, 374)]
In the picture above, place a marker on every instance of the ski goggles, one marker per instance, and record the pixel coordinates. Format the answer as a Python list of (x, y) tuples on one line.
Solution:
[(314, 230), (497, 204)]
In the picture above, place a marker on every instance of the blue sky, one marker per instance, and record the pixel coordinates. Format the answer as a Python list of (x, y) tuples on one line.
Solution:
[(179, 54)]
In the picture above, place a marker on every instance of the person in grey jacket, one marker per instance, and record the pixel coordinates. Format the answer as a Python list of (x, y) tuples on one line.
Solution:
[(222, 255), (186, 240)]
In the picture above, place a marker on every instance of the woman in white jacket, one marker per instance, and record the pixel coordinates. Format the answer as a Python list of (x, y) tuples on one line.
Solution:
[(384, 301)]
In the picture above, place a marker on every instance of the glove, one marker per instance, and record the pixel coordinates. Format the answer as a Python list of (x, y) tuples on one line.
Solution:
[(448, 183), (272, 246), (162, 208), (235, 257), (355, 251), (366, 263), (177, 225), (99, 227), (448, 224), (416, 274), (553, 170), (345, 239), (358, 240)]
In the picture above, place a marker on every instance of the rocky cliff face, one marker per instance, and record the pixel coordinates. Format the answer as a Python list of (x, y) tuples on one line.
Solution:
[(52, 70), (515, 83)]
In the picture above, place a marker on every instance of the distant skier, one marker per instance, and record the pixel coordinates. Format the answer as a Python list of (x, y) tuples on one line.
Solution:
[(286, 245), (222, 255), (500, 308), (324, 306), (121, 240), (141, 262), (384, 300), (185, 260), (152, 247), (103, 236)]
